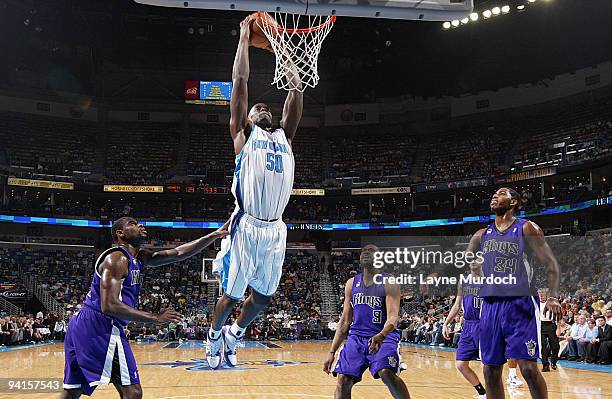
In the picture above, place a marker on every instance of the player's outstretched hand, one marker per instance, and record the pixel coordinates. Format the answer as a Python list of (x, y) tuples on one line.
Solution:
[(328, 363), (375, 342), (553, 308), (169, 315), (220, 233), (445, 332), (245, 26)]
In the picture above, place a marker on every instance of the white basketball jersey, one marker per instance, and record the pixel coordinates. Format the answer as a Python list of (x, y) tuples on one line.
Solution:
[(263, 177)]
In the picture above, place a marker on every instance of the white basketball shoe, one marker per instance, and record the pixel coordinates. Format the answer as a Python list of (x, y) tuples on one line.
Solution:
[(214, 353), (230, 343), (514, 382)]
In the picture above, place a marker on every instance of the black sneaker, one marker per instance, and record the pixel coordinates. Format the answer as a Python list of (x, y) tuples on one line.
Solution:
[(545, 368), (553, 366)]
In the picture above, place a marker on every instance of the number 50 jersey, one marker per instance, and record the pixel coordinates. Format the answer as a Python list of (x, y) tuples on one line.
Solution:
[(263, 177)]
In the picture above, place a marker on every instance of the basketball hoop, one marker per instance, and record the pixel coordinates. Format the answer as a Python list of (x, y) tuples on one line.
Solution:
[(296, 46)]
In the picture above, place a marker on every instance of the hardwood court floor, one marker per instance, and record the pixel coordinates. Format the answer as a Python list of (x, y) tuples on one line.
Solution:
[(291, 370)]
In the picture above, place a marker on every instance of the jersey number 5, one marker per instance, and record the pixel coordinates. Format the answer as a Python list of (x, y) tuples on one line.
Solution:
[(274, 163)]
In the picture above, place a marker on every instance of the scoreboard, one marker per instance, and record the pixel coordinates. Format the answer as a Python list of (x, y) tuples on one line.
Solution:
[(208, 92), (196, 189)]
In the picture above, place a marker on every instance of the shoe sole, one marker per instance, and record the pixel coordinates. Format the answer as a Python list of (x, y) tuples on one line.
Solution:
[(224, 347)]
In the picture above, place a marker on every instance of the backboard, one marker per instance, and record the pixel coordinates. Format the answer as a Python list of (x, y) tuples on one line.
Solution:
[(426, 10)]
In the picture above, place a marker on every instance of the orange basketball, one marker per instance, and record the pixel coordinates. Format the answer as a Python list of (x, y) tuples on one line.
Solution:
[(258, 37)]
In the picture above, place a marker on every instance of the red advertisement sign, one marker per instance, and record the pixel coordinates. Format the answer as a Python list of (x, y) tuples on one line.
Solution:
[(191, 90)]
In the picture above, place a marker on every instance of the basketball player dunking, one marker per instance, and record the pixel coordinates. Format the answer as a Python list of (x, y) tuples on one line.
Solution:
[(369, 326), (468, 298), (252, 256), (96, 348), (509, 319)]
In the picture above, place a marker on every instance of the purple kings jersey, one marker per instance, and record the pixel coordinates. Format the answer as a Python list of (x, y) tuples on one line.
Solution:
[(504, 256), (471, 301), (369, 308), (130, 285)]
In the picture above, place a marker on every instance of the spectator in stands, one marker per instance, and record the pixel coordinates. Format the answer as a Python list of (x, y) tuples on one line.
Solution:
[(458, 327), (5, 333), (410, 329), (59, 330), (577, 333), (590, 338), (331, 326), (436, 333), (564, 335), (16, 331), (162, 334), (421, 332), (604, 341)]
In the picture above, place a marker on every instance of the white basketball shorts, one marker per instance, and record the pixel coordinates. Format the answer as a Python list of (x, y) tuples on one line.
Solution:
[(251, 256)]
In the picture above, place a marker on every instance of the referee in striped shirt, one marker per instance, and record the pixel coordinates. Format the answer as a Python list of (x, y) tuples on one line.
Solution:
[(548, 330)]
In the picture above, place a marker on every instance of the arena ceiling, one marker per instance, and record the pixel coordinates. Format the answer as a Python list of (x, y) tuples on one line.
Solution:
[(363, 58)]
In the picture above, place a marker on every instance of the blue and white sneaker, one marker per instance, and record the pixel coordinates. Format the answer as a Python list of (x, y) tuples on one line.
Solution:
[(214, 353), (230, 343), (514, 381)]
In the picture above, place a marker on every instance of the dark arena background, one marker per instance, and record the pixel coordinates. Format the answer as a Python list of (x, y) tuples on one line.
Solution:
[(115, 108)]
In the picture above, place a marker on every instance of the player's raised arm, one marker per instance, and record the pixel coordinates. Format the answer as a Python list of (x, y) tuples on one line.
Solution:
[(240, 94), (182, 252), (343, 326), (454, 311), (294, 105), (392, 292), (535, 239), (114, 269)]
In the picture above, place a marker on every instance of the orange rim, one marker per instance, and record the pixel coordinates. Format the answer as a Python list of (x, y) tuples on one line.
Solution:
[(329, 21)]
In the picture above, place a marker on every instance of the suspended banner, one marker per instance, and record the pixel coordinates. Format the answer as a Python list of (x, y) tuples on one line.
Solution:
[(533, 174), (316, 226), (14, 293), (305, 226), (59, 185), (452, 185), (308, 191), (133, 189), (380, 190)]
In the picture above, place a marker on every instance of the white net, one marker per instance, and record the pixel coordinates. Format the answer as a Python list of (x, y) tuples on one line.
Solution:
[(296, 41)]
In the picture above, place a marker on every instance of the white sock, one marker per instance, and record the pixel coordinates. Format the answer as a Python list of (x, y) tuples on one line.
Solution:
[(512, 372), (237, 330), (214, 334)]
